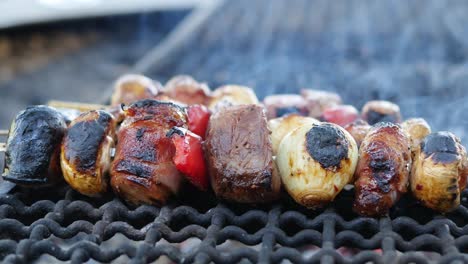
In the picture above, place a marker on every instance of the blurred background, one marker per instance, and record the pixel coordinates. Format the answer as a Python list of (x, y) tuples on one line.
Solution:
[(413, 53)]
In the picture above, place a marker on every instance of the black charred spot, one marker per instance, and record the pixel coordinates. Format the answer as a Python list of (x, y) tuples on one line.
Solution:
[(454, 196), (452, 188), (146, 154), (282, 111), (133, 167), (84, 141), (140, 132), (327, 145), (176, 131), (383, 170), (374, 117), (441, 146)]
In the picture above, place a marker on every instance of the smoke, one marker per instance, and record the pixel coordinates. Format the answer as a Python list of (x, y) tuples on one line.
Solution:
[(409, 52)]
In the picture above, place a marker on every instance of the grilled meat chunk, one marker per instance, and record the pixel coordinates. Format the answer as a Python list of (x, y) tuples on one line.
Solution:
[(417, 129), (383, 169), (231, 95), (318, 101), (281, 126), (358, 129), (132, 87), (438, 173), (381, 111), (33, 147), (315, 162), (186, 90), (285, 104), (239, 155), (143, 171), (85, 157)]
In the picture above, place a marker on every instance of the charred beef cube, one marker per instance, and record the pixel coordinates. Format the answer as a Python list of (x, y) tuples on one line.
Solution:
[(239, 155)]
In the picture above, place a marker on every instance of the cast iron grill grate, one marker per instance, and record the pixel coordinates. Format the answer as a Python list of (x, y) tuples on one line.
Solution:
[(67, 226)]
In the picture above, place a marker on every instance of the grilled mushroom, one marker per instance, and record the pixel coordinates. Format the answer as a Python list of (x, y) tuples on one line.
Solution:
[(231, 95), (132, 87), (381, 111), (315, 162), (85, 157), (279, 105), (417, 129), (186, 90), (438, 177), (33, 147)]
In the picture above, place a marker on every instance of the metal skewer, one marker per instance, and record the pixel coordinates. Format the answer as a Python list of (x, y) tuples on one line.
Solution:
[(82, 107), (3, 132)]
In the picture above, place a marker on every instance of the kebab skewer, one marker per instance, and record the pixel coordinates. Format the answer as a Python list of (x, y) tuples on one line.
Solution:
[(226, 97)]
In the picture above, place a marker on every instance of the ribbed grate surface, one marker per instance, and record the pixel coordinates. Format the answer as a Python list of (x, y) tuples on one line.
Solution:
[(66, 226)]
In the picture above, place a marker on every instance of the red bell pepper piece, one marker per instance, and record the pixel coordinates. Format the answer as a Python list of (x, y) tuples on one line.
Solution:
[(188, 157), (198, 117)]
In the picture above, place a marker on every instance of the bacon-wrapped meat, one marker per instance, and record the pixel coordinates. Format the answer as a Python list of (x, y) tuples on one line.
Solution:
[(32, 156), (383, 169), (143, 171), (239, 155), (381, 111), (132, 87), (86, 152), (438, 175)]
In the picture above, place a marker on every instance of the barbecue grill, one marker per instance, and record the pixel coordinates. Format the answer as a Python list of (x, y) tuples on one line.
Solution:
[(47, 225)]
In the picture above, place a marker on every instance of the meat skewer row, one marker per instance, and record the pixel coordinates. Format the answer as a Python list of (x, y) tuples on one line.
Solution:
[(239, 95)]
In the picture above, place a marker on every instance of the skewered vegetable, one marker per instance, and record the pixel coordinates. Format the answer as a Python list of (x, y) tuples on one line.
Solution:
[(231, 95), (281, 126), (132, 87), (381, 111), (188, 157), (33, 147), (315, 162), (185, 89), (438, 174), (284, 104), (417, 129), (86, 152)]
